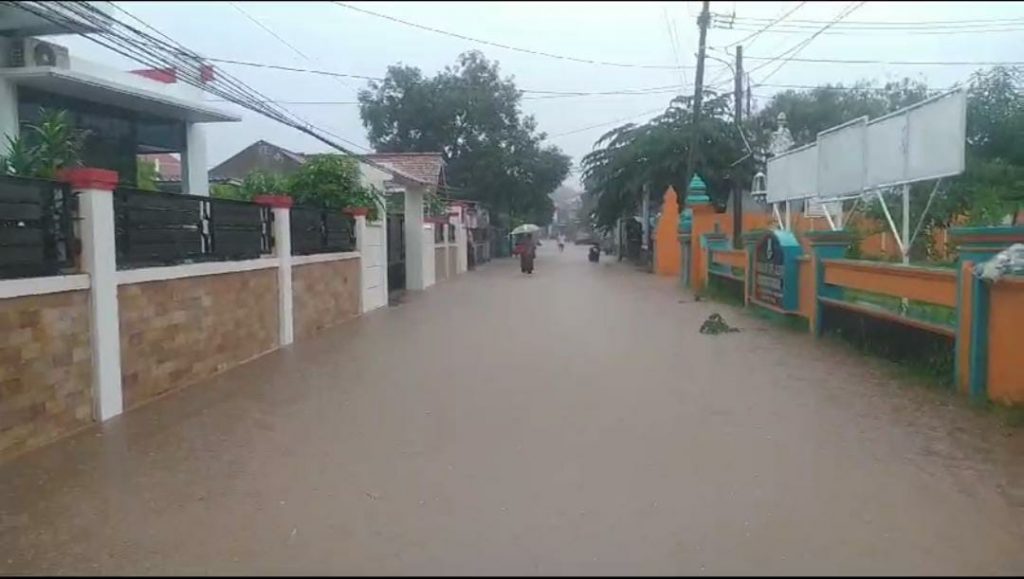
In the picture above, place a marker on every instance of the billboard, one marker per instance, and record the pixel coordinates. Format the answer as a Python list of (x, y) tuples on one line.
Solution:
[(921, 142), (793, 175), (841, 158)]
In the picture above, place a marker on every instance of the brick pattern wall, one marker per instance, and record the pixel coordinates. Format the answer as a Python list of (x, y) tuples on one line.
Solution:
[(45, 369), (176, 332), (325, 294)]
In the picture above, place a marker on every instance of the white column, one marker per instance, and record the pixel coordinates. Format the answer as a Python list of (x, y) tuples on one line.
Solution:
[(414, 240), (460, 248), (194, 177), (285, 296), (96, 208), (364, 261), (429, 261), (8, 112)]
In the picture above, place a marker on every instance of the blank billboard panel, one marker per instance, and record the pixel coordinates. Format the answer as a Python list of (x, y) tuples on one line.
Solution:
[(777, 178), (795, 174), (841, 159), (937, 137), (887, 151), (921, 142)]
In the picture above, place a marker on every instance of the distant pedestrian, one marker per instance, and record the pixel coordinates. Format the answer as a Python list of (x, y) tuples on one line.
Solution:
[(527, 254)]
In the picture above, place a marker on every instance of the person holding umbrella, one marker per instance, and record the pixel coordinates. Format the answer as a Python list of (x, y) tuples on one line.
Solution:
[(527, 248)]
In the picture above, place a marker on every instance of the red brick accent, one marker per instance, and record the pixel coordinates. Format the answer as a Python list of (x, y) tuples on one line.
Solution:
[(280, 201), (89, 178), (357, 211)]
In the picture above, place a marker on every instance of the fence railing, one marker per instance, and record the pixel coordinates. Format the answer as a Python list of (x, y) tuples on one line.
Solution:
[(36, 227), (451, 233), (923, 297), (439, 233), (157, 229), (316, 230)]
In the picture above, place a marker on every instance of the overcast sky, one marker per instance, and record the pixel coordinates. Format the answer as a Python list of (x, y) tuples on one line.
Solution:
[(338, 39)]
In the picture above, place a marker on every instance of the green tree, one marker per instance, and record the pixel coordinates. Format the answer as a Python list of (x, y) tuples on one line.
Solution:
[(333, 181), (42, 149), (632, 159), (990, 190), (472, 116), (145, 178)]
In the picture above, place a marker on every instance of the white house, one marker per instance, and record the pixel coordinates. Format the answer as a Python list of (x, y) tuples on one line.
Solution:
[(126, 113)]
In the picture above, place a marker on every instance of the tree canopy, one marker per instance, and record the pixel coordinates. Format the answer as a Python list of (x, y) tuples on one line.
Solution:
[(471, 115), (630, 157)]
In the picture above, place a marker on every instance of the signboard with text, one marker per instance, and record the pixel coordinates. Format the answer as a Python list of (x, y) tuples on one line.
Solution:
[(769, 270), (775, 266)]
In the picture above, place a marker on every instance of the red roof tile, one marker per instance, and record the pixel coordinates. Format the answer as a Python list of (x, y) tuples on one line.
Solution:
[(427, 168)]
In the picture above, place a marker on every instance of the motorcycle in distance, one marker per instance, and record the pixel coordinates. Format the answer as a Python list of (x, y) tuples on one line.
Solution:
[(594, 255)]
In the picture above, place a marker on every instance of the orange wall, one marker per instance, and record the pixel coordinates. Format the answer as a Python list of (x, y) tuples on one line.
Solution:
[(964, 329), (931, 285), (1005, 329), (807, 295)]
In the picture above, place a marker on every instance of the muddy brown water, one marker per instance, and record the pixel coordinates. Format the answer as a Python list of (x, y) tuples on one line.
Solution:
[(569, 422)]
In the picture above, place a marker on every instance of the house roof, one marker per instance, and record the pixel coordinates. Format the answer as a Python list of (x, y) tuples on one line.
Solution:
[(425, 168), (405, 168)]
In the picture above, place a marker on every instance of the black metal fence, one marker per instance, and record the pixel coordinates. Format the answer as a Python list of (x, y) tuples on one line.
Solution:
[(439, 232), (451, 233), (155, 229), (316, 230), (36, 227)]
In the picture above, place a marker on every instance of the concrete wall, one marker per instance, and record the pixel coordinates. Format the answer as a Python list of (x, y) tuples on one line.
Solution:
[(176, 332), (424, 248), (325, 294), (1006, 332), (441, 262), (373, 252), (45, 369)]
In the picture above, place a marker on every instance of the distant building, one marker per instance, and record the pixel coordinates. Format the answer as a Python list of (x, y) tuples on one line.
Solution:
[(261, 156), (167, 165)]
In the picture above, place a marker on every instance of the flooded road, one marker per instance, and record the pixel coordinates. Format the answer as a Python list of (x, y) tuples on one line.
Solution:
[(569, 422)]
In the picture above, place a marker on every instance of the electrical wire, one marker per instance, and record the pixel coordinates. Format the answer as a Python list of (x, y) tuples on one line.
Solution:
[(896, 62), (606, 123), (141, 49), (865, 24), (268, 30), (505, 46), (792, 52), (757, 33)]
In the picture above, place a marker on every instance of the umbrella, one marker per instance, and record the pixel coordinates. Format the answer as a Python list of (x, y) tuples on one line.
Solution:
[(525, 228)]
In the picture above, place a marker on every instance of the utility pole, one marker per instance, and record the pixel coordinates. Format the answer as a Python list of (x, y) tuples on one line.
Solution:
[(698, 95), (737, 187)]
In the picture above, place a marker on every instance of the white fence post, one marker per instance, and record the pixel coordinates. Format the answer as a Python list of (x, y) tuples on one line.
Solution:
[(95, 189), (361, 247), (282, 207)]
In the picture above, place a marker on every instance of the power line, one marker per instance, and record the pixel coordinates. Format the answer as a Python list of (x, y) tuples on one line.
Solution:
[(883, 31), (896, 62), (856, 24), (792, 52), (606, 123), (267, 29), (286, 43), (506, 46), (766, 27), (144, 48), (643, 90)]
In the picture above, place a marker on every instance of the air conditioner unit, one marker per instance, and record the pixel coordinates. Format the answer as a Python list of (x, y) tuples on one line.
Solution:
[(34, 52)]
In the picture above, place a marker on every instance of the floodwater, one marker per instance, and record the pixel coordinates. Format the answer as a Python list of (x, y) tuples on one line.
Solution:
[(569, 422)]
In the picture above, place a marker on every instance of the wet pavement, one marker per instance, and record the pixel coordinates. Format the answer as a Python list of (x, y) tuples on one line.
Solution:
[(569, 422)]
